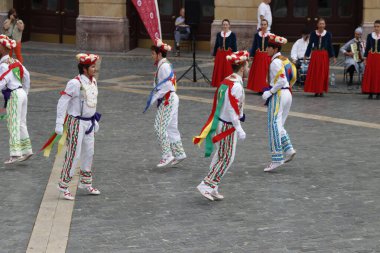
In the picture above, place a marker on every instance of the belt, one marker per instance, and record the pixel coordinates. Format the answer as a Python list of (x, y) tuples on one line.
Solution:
[(166, 97), (242, 119), (96, 117), (7, 95)]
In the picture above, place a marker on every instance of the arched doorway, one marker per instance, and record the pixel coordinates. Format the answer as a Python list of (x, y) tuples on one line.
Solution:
[(291, 16)]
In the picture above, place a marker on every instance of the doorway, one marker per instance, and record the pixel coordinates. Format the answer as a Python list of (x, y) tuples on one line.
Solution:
[(49, 20), (291, 16)]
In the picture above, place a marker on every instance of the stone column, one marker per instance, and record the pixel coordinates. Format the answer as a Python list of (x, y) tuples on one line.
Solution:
[(371, 11), (5, 5), (243, 18), (102, 25)]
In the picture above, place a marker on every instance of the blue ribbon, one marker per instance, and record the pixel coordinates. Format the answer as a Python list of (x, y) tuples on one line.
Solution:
[(96, 117), (149, 101)]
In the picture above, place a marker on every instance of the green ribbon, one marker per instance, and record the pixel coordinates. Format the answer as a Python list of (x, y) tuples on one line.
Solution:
[(16, 73), (209, 146)]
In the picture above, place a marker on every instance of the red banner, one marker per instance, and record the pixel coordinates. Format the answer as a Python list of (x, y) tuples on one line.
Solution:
[(150, 16)]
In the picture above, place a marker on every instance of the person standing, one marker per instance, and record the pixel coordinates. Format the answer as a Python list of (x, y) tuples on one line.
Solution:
[(78, 101), (354, 55), (320, 48), (166, 122), (264, 12), (225, 44), (223, 125), (13, 28), (371, 78), (282, 75), (15, 85), (182, 31), (257, 79)]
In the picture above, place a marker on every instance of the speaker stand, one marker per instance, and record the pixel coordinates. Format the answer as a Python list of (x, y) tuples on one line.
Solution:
[(194, 66)]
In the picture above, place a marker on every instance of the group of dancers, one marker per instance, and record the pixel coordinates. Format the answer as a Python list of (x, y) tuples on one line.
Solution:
[(274, 75), (319, 51)]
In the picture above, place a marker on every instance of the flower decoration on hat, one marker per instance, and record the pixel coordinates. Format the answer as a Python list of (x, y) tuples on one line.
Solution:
[(87, 59), (7, 42), (238, 57), (163, 46), (276, 40)]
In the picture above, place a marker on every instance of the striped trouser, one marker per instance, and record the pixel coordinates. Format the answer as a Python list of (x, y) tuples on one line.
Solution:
[(278, 110), (19, 141), (223, 157), (166, 128), (80, 146)]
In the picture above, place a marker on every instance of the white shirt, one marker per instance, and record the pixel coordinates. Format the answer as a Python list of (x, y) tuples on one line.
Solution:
[(227, 112), (163, 71), (10, 80), (299, 49), (275, 66), (264, 10), (73, 101)]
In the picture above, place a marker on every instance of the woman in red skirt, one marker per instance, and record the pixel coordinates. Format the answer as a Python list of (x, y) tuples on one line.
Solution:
[(371, 78), (320, 48), (225, 44), (257, 79)]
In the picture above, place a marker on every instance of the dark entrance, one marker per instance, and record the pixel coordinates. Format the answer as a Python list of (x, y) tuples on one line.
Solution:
[(291, 16), (49, 20), (169, 10)]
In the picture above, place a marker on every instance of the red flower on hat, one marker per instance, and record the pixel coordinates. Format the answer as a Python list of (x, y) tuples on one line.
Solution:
[(87, 59), (7, 42), (238, 57)]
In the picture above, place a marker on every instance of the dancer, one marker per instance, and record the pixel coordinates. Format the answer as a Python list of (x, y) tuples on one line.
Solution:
[(223, 125), (257, 79), (225, 44), (371, 79), (282, 75), (320, 48), (166, 122), (78, 102), (15, 85)]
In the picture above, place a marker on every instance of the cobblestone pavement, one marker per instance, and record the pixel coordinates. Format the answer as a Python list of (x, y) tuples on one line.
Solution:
[(326, 200)]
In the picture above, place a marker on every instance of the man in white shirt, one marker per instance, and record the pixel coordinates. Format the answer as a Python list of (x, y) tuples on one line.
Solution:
[(182, 30), (15, 84), (264, 12), (166, 122), (223, 126), (299, 48), (281, 77), (76, 109)]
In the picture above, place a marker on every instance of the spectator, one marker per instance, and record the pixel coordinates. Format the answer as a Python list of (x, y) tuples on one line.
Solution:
[(299, 48), (264, 12), (354, 52), (182, 31), (13, 28)]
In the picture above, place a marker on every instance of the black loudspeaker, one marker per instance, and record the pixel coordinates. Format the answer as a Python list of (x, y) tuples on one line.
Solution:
[(193, 12)]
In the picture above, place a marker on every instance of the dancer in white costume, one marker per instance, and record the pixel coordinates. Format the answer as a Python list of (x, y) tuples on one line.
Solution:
[(166, 122), (223, 126), (15, 85), (79, 101), (282, 75)]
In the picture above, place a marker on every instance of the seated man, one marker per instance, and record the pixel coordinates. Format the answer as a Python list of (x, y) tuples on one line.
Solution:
[(182, 31), (354, 51), (299, 48)]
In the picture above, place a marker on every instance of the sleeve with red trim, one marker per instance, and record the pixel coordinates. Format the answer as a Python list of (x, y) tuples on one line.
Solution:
[(72, 90), (275, 67)]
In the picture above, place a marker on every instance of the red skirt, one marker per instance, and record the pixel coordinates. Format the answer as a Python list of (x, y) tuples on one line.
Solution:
[(222, 68), (317, 78), (257, 79), (371, 78)]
